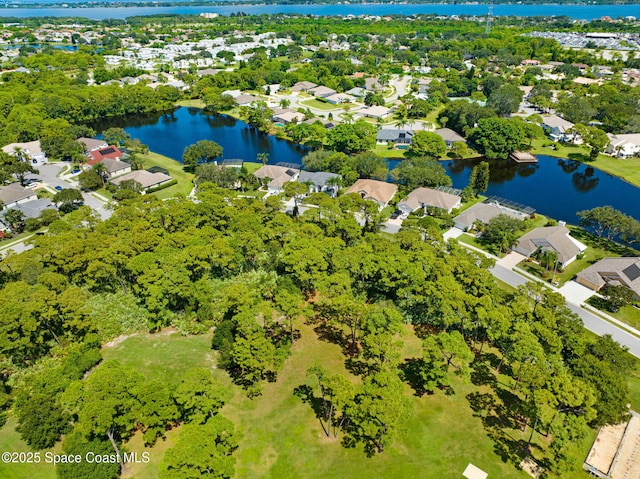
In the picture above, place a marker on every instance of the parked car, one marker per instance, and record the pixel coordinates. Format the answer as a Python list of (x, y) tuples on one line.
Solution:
[(396, 214), (58, 187), (73, 172)]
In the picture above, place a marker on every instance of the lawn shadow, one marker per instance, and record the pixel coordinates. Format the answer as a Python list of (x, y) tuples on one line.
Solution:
[(482, 374), (318, 405), (581, 157), (410, 373)]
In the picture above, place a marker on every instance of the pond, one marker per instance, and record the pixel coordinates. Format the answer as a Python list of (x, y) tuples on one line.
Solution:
[(554, 187)]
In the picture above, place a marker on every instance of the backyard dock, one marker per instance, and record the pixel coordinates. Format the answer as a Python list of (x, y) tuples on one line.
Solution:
[(522, 157)]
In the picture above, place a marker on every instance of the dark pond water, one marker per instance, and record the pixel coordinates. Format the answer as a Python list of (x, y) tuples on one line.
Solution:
[(169, 134), (554, 187)]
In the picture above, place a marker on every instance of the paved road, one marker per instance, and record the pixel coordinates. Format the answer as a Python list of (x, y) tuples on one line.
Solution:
[(574, 301)]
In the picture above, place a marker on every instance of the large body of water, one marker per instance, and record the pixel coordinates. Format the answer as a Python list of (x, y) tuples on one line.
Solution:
[(554, 187), (585, 12)]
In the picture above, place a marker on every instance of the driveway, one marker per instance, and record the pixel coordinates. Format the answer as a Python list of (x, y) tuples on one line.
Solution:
[(576, 293), (511, 260), (452, 233)]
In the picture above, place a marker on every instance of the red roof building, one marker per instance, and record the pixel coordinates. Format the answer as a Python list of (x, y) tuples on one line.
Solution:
[(110, 152)]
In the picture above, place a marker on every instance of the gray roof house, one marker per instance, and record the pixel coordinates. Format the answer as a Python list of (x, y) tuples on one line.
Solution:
[(394, 135), (449, 136), (91, 144), (32, 209), (115, 167), (245, 99), (146, 179), (303, 86), (322, 91), (613, 271), (12, 195), (551, 238), (319, 182), (372, 84), (428, 197), (484, 212)]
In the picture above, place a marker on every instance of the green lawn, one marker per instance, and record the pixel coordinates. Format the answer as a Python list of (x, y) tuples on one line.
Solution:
[(185, 180), (10, 441), (252, 166), (197, 103), (322, 105), (629, 315), (386, 152), (163, 356), (470, 239), (628, 170)]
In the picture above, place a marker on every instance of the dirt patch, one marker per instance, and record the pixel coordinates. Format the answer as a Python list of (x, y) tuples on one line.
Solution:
[(113, 343), (627, 464), (532, 468), (605, 447)]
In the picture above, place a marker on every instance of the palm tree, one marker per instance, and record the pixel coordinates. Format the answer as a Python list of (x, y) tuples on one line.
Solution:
[(101, 170), (263, 157), (348, 118)]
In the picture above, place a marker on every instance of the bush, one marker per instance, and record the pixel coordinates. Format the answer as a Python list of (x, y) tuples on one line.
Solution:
[(162, 187)]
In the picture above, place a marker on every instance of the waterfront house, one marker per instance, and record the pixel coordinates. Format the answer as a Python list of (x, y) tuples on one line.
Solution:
[(427, 197), (612, 271), (276, 177), (374, 190), (484, 212), (551, 238)]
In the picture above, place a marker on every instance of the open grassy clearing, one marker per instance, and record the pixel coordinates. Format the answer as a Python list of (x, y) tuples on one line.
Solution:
[(175, 169), (196, 103), (10, 441), (386, 152)]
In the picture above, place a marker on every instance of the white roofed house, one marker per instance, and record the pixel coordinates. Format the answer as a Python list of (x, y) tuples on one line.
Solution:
[(624, 146), (145, 179), (374, 112), (29, 151), (559, 129), (449, 136)]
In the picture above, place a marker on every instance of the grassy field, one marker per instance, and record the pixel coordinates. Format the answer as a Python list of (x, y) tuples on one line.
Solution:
[(628, 170), (629, 315), (386, 152), (323, 105), (281, 438), (185, 180), (197, 103), (10, 441), (163, 356)]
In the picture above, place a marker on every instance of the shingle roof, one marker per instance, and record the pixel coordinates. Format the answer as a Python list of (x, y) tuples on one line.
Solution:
[(14, 192), (114, 165), (392, 134), (608, 270), (145, 178), (92, 143), (484, 212), (378, 191), (449, 135), (555, 238), (421, 197), (279, 174), (318, 178)]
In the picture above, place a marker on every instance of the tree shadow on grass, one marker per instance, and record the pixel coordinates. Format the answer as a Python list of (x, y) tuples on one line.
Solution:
[(581, 157), (318, 405), (483, 375)]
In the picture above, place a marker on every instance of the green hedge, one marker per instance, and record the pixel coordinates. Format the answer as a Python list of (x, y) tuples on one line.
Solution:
[(162, 187)]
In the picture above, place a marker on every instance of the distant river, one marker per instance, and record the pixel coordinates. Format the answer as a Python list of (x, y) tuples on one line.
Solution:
[(554, 187), (584, 12)]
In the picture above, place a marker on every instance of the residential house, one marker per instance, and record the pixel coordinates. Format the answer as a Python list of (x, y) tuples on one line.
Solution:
[(428, 197), (551, 238), (423, 85), (558, 129), (484, 212), (31, 151), (245, 99), (374, 190), (14, 194), (624, 146), (612, 271), (328, 124), (113, 168), (145, 179), (108, 153), (277, 176), (374, 112), (320, 182), (449, 136), (303, 86), (288, 116), (339, 98), (322, 91), (397, 136), (92, 144), (357, 92), (32, 209), (372, 85)]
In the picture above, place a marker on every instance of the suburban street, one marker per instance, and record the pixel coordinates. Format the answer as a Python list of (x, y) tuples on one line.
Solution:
[(574, 294)]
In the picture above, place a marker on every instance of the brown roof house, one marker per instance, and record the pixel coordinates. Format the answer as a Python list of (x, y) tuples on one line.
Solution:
[(449, 136), (277, 176), (613, 271), (428, 197), (374, 190), (551, 238)]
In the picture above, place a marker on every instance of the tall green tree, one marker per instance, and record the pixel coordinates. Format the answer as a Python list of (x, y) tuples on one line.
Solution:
[(427, 145), (203, 151)]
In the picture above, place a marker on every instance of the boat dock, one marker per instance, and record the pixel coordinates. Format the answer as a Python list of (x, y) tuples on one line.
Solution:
[(522, 157)]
